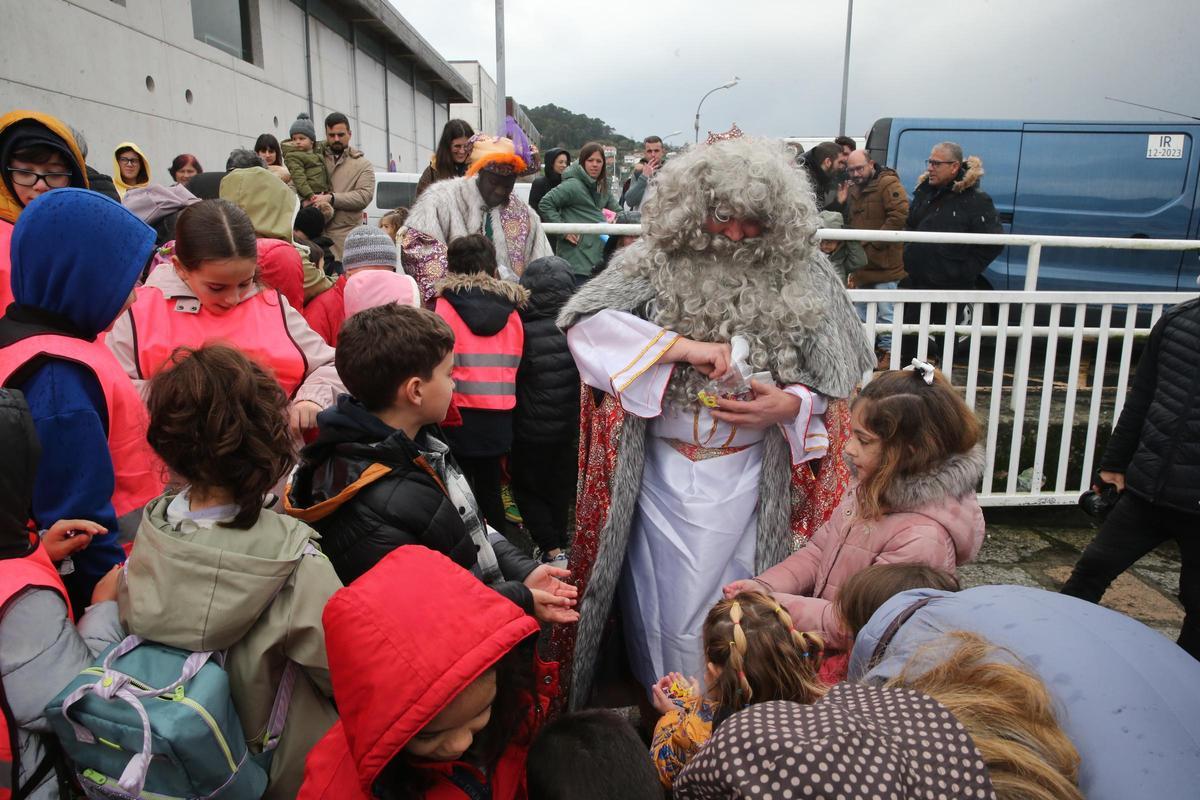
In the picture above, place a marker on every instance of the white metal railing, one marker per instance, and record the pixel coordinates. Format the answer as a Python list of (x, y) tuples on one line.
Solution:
[(1057, 466)]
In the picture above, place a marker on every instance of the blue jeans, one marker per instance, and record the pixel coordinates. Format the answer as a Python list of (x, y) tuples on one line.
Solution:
[(883, 313)]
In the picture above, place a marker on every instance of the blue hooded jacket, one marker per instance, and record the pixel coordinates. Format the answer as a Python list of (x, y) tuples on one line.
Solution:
[(76, 256), (1128, 697)]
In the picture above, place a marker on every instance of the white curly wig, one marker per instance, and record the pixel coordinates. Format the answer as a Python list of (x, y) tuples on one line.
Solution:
[(770, 289)]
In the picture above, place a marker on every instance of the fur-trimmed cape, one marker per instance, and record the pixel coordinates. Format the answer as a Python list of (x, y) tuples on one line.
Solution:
[(793, 501)]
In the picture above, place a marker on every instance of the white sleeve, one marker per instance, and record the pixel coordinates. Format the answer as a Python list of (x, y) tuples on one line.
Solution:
[(620, 354), (807, 435)]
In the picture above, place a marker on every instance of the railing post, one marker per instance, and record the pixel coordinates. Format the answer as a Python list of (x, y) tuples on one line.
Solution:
[(1021, 372)]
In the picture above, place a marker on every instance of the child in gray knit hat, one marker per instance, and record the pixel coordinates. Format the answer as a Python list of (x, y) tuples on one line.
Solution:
[(368, 246), (304, 158)]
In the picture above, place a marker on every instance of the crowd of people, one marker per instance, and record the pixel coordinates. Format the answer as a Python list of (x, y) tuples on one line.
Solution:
[(259, 459)]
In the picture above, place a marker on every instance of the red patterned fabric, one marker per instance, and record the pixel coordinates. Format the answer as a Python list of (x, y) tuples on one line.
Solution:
[(813, 497)]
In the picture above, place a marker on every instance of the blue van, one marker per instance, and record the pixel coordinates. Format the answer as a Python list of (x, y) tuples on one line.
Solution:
[(1121, 179)]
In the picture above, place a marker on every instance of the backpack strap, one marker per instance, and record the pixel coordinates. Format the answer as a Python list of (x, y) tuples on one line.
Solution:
[(892, 629), (287, 685)]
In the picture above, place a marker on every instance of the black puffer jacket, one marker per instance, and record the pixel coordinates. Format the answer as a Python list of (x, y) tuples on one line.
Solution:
[(547, 380), (363, 518), (957, 207), (1156, 443), (19, 442)]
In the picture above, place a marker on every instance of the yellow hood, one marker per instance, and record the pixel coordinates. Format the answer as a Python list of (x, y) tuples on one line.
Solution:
[(143, 176), (10, 207)]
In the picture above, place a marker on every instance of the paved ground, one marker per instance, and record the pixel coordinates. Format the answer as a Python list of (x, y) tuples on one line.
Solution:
[(1038, 548)]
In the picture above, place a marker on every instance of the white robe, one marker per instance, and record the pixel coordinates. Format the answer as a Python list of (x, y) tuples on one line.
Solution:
[(695, 524)]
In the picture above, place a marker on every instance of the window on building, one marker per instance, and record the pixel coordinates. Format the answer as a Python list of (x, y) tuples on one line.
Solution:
[(224, 24)]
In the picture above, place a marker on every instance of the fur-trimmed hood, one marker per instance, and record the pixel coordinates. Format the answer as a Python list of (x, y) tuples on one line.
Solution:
[(956, 476), (484, 303), (969, 175)]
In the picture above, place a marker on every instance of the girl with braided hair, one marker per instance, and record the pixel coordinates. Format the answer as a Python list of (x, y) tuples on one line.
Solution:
[(753, 653)]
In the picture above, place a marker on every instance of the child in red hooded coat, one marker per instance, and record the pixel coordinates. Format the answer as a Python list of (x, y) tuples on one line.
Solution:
[(439, 701)]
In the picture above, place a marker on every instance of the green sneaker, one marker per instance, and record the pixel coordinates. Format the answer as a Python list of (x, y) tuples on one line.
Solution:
[(511, 512)]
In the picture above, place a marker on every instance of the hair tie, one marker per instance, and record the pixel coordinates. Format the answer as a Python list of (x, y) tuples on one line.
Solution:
[(925, 369)]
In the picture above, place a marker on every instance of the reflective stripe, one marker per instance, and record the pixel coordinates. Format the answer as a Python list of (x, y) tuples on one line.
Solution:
[(484, 387), (486, 360)]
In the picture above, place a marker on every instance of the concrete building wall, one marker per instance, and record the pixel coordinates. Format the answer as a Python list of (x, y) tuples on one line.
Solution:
[(134, 70), (481, 111)]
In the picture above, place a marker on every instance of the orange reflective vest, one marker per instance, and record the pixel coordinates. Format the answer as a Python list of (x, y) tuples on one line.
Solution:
[(17, 575), (257, 327), (139, 475), (485, 367)]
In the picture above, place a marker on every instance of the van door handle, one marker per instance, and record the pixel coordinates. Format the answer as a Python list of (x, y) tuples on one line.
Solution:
[(1005, 217)]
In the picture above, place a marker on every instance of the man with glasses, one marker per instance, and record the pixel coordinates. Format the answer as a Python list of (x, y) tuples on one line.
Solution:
[(878, 202), (948, 199), (37, 154)]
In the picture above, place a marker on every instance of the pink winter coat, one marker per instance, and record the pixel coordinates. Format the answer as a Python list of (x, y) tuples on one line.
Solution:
[(938, 523)]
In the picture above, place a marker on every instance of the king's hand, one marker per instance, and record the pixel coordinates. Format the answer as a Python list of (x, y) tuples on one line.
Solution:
[(770, 406)]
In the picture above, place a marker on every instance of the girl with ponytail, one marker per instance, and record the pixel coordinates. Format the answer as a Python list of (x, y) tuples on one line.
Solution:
[(754, 654)]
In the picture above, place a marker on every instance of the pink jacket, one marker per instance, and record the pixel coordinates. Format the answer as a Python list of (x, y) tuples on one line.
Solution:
[(938, 523)]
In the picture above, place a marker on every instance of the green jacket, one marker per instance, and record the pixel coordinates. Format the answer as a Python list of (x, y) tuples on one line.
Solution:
[(307, 167), (578, 199), (253, 593)]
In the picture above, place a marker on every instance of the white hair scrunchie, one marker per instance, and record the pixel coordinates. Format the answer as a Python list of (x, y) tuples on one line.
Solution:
[(926, 370)]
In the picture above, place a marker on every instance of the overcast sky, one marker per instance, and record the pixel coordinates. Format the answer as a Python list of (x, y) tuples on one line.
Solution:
[(642, 66)]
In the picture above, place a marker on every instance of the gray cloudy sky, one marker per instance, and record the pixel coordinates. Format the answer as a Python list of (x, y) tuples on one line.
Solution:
[(642, 66)]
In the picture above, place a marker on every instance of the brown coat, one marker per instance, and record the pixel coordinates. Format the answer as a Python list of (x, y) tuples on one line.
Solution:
[(881, 204), (352, 182)]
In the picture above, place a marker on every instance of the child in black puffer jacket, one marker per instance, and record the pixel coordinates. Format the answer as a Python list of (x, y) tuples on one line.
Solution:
[(544, 464)]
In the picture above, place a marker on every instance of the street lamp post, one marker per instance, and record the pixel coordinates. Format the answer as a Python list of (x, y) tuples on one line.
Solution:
[(729, 85)]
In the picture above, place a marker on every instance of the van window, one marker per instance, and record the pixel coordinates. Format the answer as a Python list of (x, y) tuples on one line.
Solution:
[(393, 194), (1096, 171)]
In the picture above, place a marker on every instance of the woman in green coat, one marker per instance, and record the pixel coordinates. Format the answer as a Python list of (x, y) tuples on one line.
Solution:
[(581, 197)]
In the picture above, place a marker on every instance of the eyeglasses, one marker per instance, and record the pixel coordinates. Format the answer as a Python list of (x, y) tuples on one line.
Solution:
[(130, 160), (933, 162), (26, 177)]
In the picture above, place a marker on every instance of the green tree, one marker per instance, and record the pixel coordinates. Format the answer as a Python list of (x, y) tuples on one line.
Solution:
[(561, 127)]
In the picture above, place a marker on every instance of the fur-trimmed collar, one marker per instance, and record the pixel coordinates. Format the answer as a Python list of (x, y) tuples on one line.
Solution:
[(969, 176), (954, 477), (455, 282)]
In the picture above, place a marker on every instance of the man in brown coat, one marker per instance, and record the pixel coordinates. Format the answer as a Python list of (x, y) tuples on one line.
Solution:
[(351, 181), (878, 202)]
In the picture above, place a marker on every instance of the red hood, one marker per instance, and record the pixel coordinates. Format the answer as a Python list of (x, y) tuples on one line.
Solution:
[(280, 268), (403, 640)]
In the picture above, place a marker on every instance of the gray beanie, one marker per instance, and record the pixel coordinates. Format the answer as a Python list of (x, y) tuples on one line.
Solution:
[(304, 125), (368, 246)]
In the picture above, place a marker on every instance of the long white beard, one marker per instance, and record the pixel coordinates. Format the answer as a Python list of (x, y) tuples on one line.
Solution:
[(748, 288)]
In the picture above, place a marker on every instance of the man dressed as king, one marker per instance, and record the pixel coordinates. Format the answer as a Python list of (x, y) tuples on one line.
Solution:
[(717, 354)]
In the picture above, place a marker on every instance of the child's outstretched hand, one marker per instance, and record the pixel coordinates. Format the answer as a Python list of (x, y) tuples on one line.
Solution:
[(732, 590), (69, 536), (670, 689), (551, 608), (553, 598), (550, 579)]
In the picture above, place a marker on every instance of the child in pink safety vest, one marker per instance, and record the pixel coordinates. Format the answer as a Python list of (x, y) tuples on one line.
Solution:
[(210, 293), (488, 340)]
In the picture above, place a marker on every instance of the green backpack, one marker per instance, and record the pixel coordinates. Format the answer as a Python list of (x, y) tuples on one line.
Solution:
[(156, 722)]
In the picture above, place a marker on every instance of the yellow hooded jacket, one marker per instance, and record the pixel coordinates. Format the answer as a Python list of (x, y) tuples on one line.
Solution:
[(143, 177), (10, 207)]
